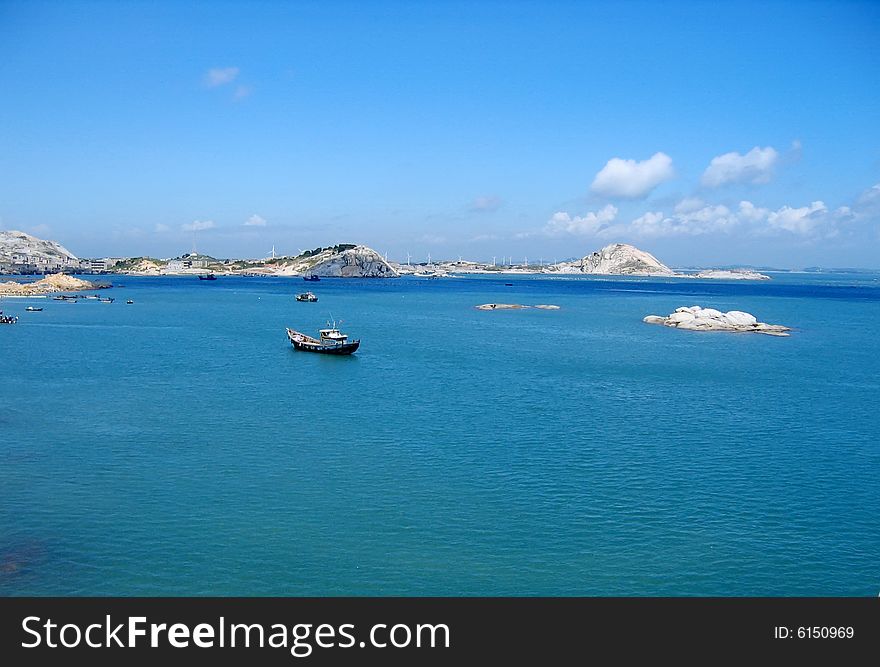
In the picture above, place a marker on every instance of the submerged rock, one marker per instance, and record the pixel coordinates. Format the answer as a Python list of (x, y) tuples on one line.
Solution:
[(514, 306), (696, 318)]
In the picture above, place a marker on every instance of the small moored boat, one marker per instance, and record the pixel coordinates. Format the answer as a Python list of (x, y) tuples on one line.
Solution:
[(11, 319), (129, 301), (207, 276), (307, 296), (332, 341), (311, 279), (31, 309)]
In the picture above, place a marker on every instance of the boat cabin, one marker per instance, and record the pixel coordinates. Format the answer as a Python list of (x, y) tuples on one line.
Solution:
[(333, 336)]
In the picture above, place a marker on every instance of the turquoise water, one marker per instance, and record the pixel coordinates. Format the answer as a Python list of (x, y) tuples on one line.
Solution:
[(180, 446)]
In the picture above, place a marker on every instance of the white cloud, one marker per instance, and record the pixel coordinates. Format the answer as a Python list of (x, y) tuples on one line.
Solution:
[(871, 195), (255, 221), (161, 229), (751, 213), (220, 76), (813, 221), (756, 166), (486, 204), (241, 92), (198, 226), (563, 224), (687, 221), (630, 179), (803, 220), (647, 224), (689, 204)]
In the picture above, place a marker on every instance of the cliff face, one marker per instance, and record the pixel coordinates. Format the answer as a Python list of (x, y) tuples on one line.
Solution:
[(357, 262), (21, 244)]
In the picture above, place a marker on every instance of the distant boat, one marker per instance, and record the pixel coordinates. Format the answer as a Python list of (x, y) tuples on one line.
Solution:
[(207, 276), (11, 319), (31, 309), (312, 278), (129, 301), (66, 297), (108, 299), (331, 342), (307, 296)]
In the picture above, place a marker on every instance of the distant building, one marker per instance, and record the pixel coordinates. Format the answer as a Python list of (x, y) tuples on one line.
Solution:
[(190, 261), (98, 265)]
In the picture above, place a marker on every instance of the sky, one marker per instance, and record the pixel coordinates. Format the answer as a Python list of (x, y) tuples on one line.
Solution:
[(706, 133)]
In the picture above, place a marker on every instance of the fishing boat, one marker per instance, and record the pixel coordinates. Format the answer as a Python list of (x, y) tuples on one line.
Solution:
[(66, 297), (312, 278), (307, 296), (31, 309), (108, 299), (207, 276), (129, 301), (332, 341), (12, 319)]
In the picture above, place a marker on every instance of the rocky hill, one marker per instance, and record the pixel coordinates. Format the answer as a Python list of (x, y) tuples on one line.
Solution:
[(339, 261), (357, 262), (618, 259), (15, 246)]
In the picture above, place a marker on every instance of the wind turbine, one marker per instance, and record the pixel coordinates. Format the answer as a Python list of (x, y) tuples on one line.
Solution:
[(408, 257), (273, 251)]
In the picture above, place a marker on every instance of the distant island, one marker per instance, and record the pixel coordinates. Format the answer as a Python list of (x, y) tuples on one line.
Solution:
[(21, 253)]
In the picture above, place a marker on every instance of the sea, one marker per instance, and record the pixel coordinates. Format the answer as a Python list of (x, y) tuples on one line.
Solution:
[(179, 445)]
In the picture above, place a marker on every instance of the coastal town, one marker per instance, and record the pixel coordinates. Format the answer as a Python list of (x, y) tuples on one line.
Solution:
[(24, 254)]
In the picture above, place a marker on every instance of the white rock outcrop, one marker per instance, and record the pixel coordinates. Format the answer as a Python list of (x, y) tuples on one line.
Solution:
[(734, 274), (357, 262), (696, 318)]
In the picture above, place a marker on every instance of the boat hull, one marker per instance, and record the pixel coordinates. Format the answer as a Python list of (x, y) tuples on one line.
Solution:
[(345, 348)]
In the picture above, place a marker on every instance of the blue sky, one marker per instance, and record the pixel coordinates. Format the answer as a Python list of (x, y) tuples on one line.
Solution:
[(707, 133)]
